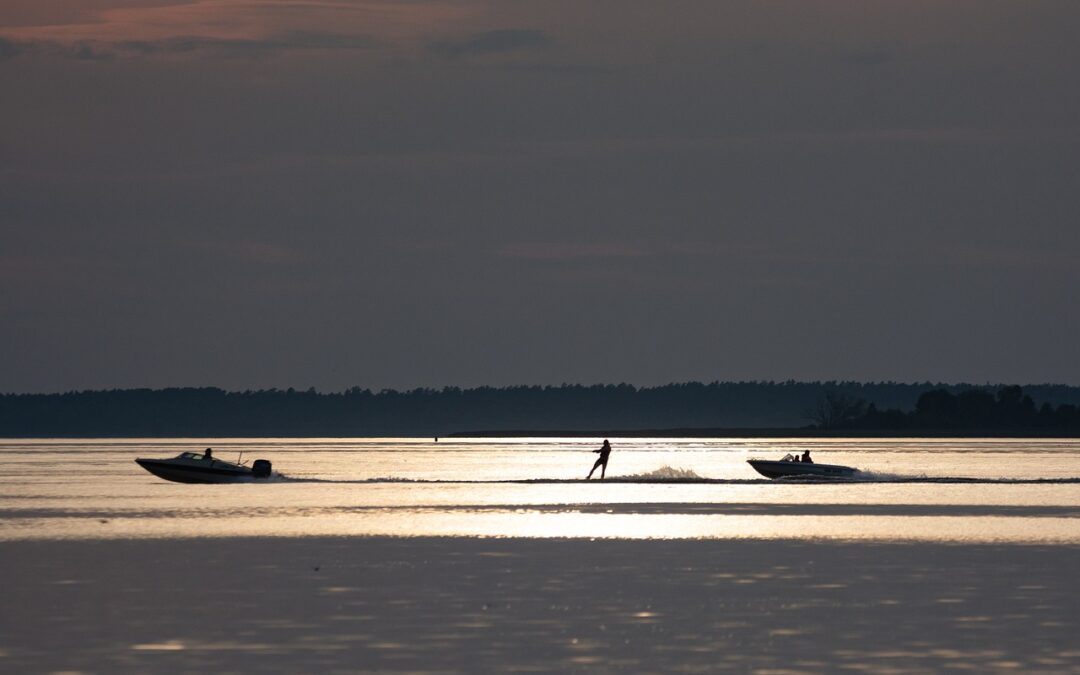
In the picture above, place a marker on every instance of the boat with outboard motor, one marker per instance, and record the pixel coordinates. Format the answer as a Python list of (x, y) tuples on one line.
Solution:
[(203, 467), (791, 467)]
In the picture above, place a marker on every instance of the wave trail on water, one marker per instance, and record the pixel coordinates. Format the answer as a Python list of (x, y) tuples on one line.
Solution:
[(665, 474), (883, 477), (669, 475)]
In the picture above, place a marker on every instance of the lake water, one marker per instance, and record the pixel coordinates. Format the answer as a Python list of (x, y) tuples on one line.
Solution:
[(951, 490)]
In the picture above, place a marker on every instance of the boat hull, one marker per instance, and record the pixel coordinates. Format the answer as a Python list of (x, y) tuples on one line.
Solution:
[(775, 469), (213, 472)]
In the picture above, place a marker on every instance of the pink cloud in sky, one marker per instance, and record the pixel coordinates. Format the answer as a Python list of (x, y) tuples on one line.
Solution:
[(126, 20)]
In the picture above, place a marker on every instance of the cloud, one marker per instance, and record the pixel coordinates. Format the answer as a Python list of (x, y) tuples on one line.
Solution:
[(561, 69), (9, 49), (291, 41), (493, 42), (98, 50)]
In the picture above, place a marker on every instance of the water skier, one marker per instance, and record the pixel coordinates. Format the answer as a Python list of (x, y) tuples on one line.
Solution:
[(604, 451)]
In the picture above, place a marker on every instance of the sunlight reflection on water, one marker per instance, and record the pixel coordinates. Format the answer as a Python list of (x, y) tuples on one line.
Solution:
[(91, 489)]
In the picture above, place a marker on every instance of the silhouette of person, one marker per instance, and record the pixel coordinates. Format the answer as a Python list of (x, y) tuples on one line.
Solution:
[(209, 454), (806, 457), (604, 451)]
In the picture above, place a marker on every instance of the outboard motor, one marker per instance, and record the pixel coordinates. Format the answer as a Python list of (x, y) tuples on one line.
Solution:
[(261, 468)]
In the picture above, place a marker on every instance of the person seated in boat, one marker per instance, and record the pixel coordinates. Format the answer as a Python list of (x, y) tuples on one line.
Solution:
[(208, 455), (806, 457)]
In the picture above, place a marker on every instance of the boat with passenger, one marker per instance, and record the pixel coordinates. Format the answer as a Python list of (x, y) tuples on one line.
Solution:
[(791, 467), (203, 467)]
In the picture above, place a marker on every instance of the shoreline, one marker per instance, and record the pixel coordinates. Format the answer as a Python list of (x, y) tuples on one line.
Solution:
[(459, 605)]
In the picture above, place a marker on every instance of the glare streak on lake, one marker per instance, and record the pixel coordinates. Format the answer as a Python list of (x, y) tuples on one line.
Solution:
[(951, 490)]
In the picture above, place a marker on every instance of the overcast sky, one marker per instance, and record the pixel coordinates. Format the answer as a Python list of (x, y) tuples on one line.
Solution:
[(327, 193)]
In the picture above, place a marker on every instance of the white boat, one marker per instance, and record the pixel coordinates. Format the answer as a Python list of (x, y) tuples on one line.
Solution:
[(197, 467), (790, 467)]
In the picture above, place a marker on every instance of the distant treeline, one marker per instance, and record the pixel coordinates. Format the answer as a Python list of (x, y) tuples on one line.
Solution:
[(211, 412), (975, 409)]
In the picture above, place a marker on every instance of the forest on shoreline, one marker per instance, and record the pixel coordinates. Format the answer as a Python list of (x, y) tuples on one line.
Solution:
[(687, 409), (941, 410)]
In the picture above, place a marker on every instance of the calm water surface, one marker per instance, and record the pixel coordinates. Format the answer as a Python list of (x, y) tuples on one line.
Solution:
[(969, 490)]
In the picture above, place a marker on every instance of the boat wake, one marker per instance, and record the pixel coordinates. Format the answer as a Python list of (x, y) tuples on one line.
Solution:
[(665, 474), (670, 475), (874, 477)]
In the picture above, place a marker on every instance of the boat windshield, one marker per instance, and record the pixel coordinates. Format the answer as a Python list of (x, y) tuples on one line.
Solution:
[(190, 455)]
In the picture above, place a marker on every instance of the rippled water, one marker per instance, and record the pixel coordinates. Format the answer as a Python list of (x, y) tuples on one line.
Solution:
[(963, 490)]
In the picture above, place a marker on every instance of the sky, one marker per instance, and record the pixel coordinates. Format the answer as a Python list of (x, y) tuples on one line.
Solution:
[(334, 193)]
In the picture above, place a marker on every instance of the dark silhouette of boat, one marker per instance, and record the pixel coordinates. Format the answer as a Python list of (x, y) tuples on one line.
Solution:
[(196, 467), (788, 467)]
